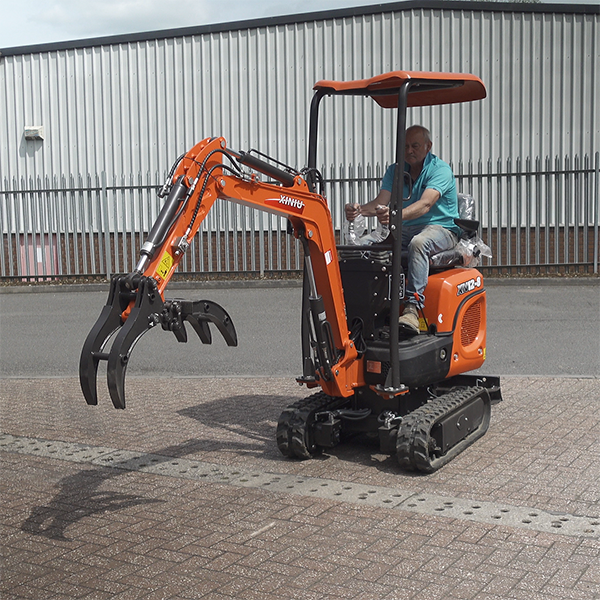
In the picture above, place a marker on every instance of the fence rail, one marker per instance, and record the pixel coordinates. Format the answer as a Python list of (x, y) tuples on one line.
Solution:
[(539, 216)]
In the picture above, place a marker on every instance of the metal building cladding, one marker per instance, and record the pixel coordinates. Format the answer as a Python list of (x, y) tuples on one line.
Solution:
[(112, 113)]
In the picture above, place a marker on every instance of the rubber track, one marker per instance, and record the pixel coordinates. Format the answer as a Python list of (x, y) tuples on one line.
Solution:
[(293, 429), (413, 442)]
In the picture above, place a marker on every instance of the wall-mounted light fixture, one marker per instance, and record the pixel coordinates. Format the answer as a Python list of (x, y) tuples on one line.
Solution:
[(34, 132)]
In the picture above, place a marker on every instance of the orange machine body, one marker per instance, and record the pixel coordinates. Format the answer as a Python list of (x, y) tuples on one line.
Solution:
[(410, 390), (456, 302)]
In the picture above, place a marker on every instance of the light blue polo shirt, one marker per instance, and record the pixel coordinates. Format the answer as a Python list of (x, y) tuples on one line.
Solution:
[(436, 175)]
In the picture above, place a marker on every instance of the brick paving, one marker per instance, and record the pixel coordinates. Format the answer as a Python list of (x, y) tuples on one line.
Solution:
[(75, 530)]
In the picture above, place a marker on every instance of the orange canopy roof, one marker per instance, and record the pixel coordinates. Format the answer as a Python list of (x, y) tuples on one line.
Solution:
[(427, 89)]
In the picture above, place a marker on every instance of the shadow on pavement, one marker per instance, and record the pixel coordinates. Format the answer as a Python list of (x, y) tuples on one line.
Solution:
[(79, 497), (254, 417)]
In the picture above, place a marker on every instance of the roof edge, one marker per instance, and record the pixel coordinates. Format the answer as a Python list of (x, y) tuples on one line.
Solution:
[(371, 9)]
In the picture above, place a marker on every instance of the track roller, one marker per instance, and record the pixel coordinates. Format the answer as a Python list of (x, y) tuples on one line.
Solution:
[(434, 434)]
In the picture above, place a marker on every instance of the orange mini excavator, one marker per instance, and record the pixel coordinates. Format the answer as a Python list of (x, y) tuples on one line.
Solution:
[(410, 392)]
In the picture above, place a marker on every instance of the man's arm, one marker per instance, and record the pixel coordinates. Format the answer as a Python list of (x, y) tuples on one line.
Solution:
[(422, 206), (379, 207)]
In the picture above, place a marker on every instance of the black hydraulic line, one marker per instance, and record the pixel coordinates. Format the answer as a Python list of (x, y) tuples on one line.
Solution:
[(230, 155), (205, 184), (167, 185)]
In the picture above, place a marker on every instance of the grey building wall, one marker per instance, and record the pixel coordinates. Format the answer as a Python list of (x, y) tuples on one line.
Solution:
[(131, 104)]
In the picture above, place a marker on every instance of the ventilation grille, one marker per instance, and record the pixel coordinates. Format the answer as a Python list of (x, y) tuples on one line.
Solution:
[(471, 323)]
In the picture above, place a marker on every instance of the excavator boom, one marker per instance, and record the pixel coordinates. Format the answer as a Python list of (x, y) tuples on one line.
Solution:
[(136, 301)]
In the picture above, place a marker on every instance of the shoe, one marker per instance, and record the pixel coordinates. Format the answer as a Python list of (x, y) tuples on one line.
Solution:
[(409, 321)]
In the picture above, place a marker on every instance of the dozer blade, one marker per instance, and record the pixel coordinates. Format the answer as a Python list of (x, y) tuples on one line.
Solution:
[(434, 434)]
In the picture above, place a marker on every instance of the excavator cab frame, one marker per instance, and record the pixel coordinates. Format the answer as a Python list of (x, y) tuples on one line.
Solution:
[(395, 90)]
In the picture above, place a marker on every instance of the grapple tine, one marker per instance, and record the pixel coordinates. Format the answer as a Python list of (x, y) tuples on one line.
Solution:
[(119, 355), (143, 317), (201, 312), (108, 322), (201, 328)]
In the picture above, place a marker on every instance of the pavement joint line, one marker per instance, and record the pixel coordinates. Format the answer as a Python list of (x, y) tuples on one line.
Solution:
[(491, 513)]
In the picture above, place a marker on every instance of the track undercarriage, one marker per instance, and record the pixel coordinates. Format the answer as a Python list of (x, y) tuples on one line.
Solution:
[(426, 428)]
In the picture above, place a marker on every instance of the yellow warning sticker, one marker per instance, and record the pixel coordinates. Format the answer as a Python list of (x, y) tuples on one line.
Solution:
[(166, 262)]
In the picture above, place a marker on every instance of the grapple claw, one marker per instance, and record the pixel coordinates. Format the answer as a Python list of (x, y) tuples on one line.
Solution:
[(148, 310), (108, 322), (143, 317), (201, 312)]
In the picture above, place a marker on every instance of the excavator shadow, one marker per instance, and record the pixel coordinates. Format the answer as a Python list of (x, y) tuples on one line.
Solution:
[(243, 423), (253, 417), (364, 451), (85, 494)]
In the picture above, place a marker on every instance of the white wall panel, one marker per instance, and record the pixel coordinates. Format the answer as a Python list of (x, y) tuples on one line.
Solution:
[(134, 104)]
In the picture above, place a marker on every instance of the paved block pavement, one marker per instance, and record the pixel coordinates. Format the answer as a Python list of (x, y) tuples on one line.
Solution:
[(185, 495)]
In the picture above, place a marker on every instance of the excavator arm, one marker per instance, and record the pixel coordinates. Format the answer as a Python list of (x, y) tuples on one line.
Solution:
[(136, 302)]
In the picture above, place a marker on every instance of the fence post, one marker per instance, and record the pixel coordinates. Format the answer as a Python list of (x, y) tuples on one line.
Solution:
[(104, 223), (596, 195), (2, 222)]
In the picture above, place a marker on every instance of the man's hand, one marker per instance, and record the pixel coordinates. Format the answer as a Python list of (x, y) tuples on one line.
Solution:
[(383, 214), (370, 209), (352, 211)]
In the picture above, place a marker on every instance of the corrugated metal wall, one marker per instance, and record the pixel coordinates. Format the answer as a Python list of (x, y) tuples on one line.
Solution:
[(133, 106)]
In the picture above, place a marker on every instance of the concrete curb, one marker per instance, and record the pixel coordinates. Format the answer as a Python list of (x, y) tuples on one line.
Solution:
[(176, 285)]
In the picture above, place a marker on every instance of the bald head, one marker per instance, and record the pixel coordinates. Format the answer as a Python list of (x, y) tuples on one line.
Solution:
[(420, 130)]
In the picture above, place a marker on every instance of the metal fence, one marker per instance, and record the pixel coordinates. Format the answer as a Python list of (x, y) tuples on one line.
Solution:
[(539, 216)]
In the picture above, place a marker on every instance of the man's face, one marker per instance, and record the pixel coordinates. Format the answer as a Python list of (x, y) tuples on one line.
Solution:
[(416, 148)]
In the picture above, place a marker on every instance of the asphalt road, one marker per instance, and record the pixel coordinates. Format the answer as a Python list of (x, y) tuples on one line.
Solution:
[(535, 327)]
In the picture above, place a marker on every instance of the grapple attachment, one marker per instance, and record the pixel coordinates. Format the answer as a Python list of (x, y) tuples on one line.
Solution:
[(130, 314)]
